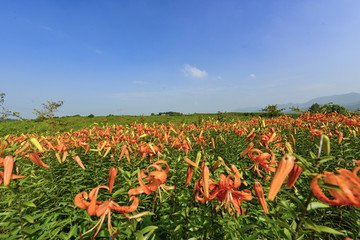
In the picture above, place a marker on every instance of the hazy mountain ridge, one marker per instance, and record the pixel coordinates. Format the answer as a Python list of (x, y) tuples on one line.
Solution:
[(351, 101)]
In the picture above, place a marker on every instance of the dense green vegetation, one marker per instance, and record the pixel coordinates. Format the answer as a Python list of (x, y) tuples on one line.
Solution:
[(63, 124), (161, 173)]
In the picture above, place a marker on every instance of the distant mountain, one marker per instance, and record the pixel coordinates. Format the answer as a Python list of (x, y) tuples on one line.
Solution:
[(351, 101)]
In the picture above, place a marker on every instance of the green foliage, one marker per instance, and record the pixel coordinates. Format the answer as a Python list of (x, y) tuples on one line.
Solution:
[(170, 113), (41, 206), (48, 113), (272, 110), (315, 108), (329, 108), (48, 110), (295, 109), (6, 113)]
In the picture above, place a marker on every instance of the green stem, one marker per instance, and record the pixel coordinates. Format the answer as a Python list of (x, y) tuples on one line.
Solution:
[(357, 234), (19, 208), (212, 222), (302, 216), (71, 187), (311, 194)]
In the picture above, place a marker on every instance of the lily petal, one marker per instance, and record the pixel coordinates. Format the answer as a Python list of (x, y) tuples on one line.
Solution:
[(36, 159), (78, 160), (285, 166), (260, 194), (112, 175), (293, 176), (8, 167)]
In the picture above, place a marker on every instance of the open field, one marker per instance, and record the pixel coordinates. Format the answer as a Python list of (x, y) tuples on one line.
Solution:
[(63, 124), (219, 176)]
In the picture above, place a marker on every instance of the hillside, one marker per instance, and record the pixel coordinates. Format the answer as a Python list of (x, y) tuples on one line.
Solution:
[(351, 101)]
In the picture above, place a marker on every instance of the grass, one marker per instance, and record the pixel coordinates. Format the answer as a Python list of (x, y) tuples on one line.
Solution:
[(63, 124)]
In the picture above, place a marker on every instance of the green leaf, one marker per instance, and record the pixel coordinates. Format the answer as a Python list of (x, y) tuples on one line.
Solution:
[(326, 158), (72, 232), (316, 205), (118, 192), (135, 172), (148, 235), (6, 213), (244, 229), (330, 186), (139, 235), (312, 155), (29, 204), (253, 236), (287, 233), (28, 218), (148, 229), (328, 230), (289, 209), (304, 162), (177, 227), (37, 144), (297, 200)]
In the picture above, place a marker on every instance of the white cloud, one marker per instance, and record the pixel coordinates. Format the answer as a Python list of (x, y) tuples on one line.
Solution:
[(190, 71), (219, 77), (252, 75)]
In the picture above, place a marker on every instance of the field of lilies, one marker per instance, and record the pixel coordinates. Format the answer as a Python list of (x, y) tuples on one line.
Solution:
[(279, 178)]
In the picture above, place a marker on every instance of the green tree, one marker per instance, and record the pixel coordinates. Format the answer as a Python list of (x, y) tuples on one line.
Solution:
[(272, 110), (48, 110), (295, 109), (329, 108), (314, 108), (6, 113)]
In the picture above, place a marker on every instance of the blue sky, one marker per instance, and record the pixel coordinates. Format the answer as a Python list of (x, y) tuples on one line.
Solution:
[(141, 57)]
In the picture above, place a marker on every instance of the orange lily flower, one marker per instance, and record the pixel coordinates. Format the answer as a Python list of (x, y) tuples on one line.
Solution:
[(285, 166), (213, 143), (251, 135), (190, 169), (347, 181), (226, 193), (78, 160), (3, 146), (36, 159), (199, 188), (8, 167), (155, 178), (341, 137), (112, 175), (7, 175), (189, 174), (265, 160), (23, 148), (13, 176), (248, 148), (220, 161), (205, 177), (64, 156), (260, 194), (125, 151), (58, 157), (293, 175), (104, 209)]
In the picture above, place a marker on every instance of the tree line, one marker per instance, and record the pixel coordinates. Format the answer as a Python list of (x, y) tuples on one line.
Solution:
[(274, 110)]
